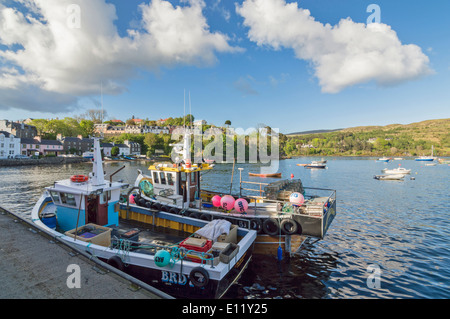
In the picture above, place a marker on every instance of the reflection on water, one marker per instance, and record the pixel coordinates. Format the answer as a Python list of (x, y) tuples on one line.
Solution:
[(400, 226)]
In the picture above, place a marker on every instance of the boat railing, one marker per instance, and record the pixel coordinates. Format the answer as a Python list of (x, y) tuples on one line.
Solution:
[(260, 190), (312, 192)]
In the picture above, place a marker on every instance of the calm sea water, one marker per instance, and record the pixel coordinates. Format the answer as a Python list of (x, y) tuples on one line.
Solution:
[(398, 227)]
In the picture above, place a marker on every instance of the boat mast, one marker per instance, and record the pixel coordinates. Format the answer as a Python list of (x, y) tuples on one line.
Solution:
[(98, 175)]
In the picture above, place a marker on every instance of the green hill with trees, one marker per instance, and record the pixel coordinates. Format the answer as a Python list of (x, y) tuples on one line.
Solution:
[(391, 140)]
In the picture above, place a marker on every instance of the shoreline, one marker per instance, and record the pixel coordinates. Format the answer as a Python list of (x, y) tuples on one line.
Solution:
[(42, 161)]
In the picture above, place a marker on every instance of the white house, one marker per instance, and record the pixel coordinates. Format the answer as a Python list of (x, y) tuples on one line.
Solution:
[(9, 145)]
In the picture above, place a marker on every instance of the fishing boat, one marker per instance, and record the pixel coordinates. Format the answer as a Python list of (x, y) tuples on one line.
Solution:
[(399, 170), (190, 262), (427, 158), (316, 165), (275, 175), (283, 213), (390, 177), (384, 159)]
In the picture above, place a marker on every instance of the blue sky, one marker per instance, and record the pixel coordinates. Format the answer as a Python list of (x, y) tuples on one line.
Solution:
[(280, 73)]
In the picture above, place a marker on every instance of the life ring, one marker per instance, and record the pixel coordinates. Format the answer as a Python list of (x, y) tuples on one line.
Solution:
[(199, 277), (256, 224), (288, 226), (79, 178), (116, 262), (271, 226)]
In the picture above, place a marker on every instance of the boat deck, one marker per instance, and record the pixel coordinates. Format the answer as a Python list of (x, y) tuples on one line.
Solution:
[(34, 266)]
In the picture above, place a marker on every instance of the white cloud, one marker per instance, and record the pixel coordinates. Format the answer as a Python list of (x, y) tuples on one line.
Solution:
[(41, 51), (343, 55)]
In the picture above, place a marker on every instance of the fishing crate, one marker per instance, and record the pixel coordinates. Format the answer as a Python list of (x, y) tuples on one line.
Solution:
[(92, 233)]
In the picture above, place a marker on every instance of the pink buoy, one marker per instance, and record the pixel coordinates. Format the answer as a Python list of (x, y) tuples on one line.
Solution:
[(216, 200), (296, 199), (241, 205), (131, 199), (227, 202)]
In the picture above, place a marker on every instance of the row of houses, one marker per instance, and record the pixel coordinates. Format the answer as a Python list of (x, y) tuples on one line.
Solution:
[(107, 129), (11, 146)]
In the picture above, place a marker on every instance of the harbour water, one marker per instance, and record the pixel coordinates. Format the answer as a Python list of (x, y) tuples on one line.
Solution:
[(390, 239)]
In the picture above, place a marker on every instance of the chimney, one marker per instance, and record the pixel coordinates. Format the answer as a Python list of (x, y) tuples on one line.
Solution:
[(38, 138), (80, 137)]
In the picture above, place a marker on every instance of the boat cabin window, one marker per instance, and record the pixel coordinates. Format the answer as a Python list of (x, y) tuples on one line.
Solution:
[(106, 196), (170, 179), (155, 178), (55, 197), (163, 178), (68, 199)]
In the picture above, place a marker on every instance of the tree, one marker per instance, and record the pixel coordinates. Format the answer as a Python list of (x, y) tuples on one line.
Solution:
[(228, 122), (86, 128), (95, 115), (115, 151)]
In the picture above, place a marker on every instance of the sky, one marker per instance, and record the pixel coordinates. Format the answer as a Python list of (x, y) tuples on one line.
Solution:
[(292, 65)]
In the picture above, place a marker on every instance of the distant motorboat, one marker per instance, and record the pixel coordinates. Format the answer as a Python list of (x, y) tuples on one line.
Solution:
[(384, 159), (431, 164), (88, 154), (398, 158), (316, 164), (395, 171), (390, 177), (441, 161)]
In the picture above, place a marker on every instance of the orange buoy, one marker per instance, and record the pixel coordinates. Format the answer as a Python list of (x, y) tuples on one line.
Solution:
[(79, 178)]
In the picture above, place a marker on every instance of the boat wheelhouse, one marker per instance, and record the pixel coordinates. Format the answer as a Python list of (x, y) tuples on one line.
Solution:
[(166, 251)]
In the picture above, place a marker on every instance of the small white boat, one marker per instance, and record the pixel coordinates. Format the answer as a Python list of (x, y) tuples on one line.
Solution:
[(316, 164), (88, 154), (390, 177), (395, 171), (431, 164), (398, 158), (383, 159)]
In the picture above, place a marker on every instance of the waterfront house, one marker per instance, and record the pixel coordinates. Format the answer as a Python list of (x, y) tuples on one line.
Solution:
[(18, 129), (135, 148), (75, 145), (106, 147), (36, 145), (9, 145)]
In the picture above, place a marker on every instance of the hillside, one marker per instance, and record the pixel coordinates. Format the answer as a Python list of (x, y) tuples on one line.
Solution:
[(390, 140)]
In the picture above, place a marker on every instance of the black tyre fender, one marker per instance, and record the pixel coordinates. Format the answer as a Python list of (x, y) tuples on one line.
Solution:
[(141, 202), (288, 226), (256, 224), (199, 277), (116, 262), (149, 204), (157, 206), (194, 215), (165, 208), (271, 226), (174, 211), (206, 217)]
